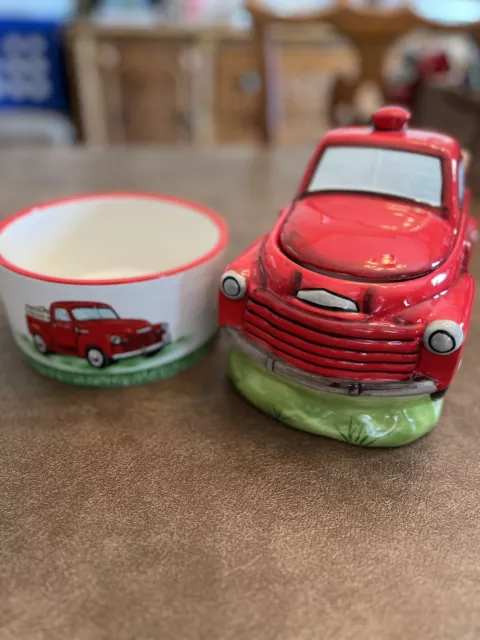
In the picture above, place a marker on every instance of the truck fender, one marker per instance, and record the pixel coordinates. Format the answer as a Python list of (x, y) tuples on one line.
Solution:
[(471, 238)]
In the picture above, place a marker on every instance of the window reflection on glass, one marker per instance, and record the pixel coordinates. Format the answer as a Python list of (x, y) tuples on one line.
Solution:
[(61, 315), (82, 314), (461, 183), (413, 176)]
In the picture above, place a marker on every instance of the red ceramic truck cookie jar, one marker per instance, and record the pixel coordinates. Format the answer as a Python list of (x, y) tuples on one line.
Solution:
[(350, 317)]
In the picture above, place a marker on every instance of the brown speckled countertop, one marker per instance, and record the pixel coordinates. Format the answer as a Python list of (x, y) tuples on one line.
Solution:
[(176, 511)]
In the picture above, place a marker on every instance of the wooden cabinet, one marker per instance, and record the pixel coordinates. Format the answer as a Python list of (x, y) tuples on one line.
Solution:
[(304, 69), (148, 91), (135, 90), (456, 112), (306, 74), (167, 86), (236, 93)]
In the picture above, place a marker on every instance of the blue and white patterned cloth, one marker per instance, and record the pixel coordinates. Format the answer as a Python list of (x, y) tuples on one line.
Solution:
[(32, 65)]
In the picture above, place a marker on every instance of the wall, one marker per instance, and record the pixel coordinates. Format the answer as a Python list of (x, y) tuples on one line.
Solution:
[(56, 9)]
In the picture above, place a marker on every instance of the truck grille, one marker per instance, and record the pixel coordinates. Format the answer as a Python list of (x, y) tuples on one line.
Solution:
[(328, 347)]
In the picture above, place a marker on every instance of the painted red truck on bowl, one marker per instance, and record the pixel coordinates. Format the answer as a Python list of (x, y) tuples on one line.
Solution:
[(94, 331), (362, 286)]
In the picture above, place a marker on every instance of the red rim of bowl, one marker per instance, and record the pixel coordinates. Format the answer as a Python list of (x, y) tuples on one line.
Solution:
[(220, 245)]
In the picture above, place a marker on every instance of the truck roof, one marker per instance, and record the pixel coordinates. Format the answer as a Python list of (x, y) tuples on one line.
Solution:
[(389, 129), (69, 304), (412, 140)]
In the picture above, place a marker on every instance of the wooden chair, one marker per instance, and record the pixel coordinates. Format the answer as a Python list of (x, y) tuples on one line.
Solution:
[(372, 30)]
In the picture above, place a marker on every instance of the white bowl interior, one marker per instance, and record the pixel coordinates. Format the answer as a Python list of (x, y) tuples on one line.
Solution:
[(110, 237)]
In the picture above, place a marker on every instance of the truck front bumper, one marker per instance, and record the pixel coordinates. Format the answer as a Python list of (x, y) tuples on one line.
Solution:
[(143, 351), (416, 387)]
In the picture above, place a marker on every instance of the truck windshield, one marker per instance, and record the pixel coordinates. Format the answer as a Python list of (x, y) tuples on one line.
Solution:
[(390, 172), (93, 313)]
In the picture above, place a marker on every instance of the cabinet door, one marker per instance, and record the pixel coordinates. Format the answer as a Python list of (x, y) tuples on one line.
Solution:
[(307, 72), (148, 91), (237, 93), (304, 72)]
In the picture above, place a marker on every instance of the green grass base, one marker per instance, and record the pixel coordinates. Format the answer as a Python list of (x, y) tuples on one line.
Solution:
[(78, 372), (363, 421)]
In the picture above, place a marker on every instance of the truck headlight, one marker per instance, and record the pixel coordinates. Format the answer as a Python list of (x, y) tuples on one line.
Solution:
[(233, 285), (116, 340), (443, 337)]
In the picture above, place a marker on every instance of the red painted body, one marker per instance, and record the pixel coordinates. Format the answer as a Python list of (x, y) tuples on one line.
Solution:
[(385, 227), (63, 331), (404, 264)]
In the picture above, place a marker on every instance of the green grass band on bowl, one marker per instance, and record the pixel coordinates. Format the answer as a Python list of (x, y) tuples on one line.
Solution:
[(76, 371)]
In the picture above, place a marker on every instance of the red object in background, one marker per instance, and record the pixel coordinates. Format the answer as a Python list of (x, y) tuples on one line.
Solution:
[(195, 9), (362, 286), (432, 64), (426, 68), (94, 331)]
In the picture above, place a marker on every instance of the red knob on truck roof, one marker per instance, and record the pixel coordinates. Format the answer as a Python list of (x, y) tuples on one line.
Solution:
[(391, 118)]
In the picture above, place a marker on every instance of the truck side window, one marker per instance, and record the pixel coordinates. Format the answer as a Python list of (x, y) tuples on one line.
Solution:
[(461, 183), (62, 315)]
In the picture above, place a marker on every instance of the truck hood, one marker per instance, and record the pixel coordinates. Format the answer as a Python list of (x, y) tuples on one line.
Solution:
[(366, 237), (121, 326)]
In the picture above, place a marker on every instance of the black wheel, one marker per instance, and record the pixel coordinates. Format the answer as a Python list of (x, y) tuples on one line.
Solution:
[(438, 395), (40, 344), (96, 358)]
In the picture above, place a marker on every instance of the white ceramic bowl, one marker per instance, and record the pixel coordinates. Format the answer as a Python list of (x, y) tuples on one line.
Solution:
[(112, 289)]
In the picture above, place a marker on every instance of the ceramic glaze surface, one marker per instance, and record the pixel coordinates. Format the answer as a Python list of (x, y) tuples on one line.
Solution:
[(365, 422), (108, 237), (365, 236), (358, 290)]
